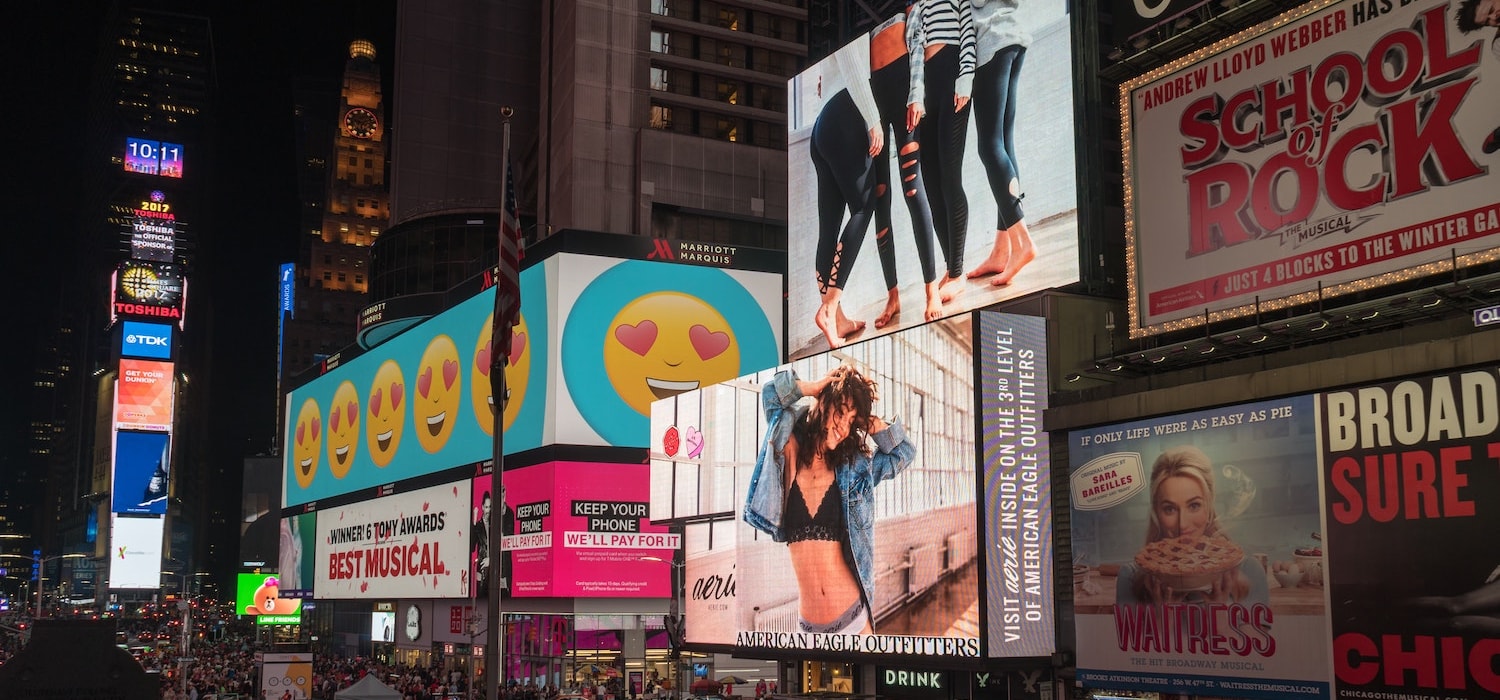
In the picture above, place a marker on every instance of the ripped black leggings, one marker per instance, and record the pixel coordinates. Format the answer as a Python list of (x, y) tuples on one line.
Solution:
[(890, 87), (942, 137), (840, 148)]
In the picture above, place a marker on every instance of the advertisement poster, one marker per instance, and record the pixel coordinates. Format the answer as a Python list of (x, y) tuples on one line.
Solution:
[(260, 596), (1017, 484), (135, 551), (143, 396), (485, 500), (1413, 494), (413, 545), (970, 207), (146, 341), (872, 547), (1198, 553), (142, 473), (419, 402), (1328, 150), (295, 555), (285, 676), (581, 529)]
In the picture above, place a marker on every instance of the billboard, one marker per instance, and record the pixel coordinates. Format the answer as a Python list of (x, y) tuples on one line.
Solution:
[(878, 555), (285, 676), (149, 157), (135, 551), (1181, 526), (144, 396), (142, 473), (383, 626), (1017, 467), (1336, 148), (412, 545), (581, 529), (624, 333), (149, 289), (985, 211), (1411, 484), (259, 595), (484, 500), (296, 554), (146, 341)]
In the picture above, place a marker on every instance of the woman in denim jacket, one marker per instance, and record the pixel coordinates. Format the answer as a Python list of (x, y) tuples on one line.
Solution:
[(829, 533)]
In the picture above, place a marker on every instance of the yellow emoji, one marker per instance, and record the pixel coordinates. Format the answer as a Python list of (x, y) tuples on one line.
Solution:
[(517, 372), (307, 438), (435, 406), (665, 343), (343, 429), (385, 416)]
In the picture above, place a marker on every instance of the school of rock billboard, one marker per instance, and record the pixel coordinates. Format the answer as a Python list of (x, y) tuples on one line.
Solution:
[(876, 223), (878, 557), (1338, 147), (1297, 547)]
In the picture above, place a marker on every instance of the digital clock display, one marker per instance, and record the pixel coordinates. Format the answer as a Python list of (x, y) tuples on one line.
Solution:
[(149, 157)]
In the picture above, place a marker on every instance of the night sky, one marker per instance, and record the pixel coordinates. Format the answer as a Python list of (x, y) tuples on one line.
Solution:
[(260, 48)]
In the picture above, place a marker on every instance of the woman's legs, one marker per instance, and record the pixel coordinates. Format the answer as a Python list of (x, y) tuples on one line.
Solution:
[(840, 155), (889, 85), (942, 137), (995, 118)]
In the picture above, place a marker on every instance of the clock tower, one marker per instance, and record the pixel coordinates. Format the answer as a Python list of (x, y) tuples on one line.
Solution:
[(357, 208)]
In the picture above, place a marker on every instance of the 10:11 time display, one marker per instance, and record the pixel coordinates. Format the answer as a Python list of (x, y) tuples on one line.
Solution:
[(150, 157)]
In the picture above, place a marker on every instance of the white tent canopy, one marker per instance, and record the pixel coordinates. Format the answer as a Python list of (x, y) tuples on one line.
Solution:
[(367, 689)]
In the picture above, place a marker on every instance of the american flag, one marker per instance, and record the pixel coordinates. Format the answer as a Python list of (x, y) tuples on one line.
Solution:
[(508, 282)]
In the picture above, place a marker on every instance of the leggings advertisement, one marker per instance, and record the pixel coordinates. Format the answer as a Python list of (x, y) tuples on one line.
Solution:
[(932, 170)]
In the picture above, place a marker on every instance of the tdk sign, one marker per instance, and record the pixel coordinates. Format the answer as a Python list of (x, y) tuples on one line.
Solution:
[(151, 341)]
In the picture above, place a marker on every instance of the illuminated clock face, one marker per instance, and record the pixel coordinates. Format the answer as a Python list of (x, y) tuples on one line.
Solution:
[(360, 122)]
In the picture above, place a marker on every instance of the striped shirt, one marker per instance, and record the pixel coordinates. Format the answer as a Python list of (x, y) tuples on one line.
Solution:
[(941, 22)]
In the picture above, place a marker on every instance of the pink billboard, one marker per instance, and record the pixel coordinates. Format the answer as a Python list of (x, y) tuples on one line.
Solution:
[(581, 529)]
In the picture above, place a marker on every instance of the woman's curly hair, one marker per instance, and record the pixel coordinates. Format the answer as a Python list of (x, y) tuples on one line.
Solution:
[(846, 386)]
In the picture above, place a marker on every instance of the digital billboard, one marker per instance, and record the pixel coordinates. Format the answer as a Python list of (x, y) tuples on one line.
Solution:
[(135, 547), (259, 595), (950, 209), (142, 472), (581, 529), (149, 289), (149, 157), (412, 544), (1184, 528), (829, 505), (625, 332), (1017, 463), (285, 675), (1338, 147), (147, 341), (144, 395), (383, 626), (296, 554), (481, 564)]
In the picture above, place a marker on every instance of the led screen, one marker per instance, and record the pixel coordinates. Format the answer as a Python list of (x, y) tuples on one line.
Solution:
[(883, 550), (142, 472), (286, 675), (1003, 164), (581, 529), (383, 626), (259, 595), (143, 395), (296, 554), (149, 157), (148, 341), (135, 545), (413, 544), (1342, 146)]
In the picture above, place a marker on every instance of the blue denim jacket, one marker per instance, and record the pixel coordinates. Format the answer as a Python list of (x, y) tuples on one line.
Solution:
[(764, 504)]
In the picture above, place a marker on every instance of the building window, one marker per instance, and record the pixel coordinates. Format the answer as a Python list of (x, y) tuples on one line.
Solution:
[(661, 117), (660, 7), (728, 130), (659, 78), (369, 163), (729, 19), (729, 92), (353, 160), (661, 42)]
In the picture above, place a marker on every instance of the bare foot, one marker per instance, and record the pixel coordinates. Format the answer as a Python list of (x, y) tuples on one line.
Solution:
[(998, 258), (950, 288), (1022, 252), (847, 327), (826, 319), (892, 309), (934, 310)]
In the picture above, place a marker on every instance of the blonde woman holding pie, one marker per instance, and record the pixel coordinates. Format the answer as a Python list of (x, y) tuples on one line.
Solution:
[(1185, 543)]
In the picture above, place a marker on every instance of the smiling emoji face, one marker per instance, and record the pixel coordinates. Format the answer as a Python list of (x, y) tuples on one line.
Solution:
[(665, 343), (517, 374), (343, 429), (307, 441), (385, 415), (435, 404)]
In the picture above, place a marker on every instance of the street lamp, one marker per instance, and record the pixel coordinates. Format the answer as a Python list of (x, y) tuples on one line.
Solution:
[(41, 571), (676, 627)]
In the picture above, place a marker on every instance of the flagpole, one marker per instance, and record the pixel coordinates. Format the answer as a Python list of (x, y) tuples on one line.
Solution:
[(499, 359)]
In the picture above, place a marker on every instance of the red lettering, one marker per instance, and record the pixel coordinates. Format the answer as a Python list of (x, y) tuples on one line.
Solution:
[(1358, 660), (1197, 125), (1423, 141)]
